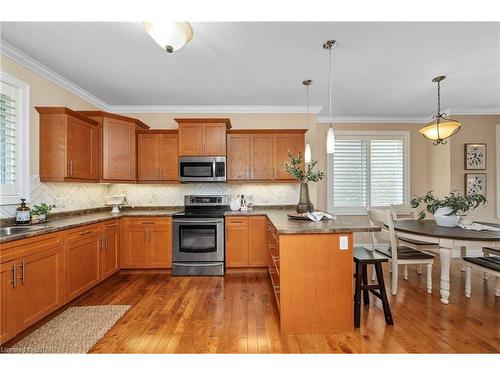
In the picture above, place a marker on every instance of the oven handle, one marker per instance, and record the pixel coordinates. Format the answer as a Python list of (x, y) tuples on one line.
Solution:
[(220, 221), (197, 264)]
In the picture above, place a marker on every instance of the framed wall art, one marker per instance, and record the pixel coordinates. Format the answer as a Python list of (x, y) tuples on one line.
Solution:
[(475, 183), (475, 156)]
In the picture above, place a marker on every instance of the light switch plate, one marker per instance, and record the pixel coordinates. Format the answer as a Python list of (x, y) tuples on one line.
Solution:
[(344, 243)]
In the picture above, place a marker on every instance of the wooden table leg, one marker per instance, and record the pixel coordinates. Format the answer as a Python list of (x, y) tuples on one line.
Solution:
[(366, 296), (444, 285), (463, 253), (357, 296)]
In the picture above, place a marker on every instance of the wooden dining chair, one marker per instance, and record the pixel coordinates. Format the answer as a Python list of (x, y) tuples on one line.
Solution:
[(398, 254)]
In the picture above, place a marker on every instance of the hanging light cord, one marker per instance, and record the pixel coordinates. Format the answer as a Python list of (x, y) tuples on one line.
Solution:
[(330, 84), (438, 115), (307, 106)]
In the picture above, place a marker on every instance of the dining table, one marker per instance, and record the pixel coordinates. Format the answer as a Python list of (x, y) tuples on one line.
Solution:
[(448, 239)]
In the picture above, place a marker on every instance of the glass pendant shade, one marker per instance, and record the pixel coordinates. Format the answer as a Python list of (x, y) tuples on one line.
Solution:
[(330, 141), (307, 153), (439, 132), (171, 36)]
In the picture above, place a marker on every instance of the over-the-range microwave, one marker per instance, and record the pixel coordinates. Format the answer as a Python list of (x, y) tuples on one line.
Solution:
[(202, 168)]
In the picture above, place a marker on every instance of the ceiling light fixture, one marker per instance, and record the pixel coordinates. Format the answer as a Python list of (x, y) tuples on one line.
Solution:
[(171, 36), (330, 136), (441, 128), (307, 153)]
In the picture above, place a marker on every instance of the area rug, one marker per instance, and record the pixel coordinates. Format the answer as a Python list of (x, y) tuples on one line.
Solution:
[(76, 330)]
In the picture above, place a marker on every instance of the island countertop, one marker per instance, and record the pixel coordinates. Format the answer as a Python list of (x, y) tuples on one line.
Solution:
[(276, 214)]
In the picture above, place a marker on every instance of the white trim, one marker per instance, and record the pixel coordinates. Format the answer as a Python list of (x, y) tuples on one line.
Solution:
[(497, 171), (357, 211), (211, 109), (22, 147), (472, 111), (376, 119), (35, 66)]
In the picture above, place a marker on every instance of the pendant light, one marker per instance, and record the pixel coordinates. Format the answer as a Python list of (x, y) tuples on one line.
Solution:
[(171, 36), (441, 128), (330, 136), (307, 153)]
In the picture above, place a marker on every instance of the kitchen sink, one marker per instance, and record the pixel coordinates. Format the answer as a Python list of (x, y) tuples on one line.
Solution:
[(9, 231)]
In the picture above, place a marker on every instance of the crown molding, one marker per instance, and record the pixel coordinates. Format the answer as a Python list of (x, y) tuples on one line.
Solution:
[(203, 109), (376, 119), (472, 111), (37, 67)]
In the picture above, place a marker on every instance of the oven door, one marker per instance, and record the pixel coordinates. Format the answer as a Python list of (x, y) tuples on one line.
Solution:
[(196, 169), (198, 240)]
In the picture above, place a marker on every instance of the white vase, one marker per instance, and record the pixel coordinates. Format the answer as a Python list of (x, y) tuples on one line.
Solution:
[(444, 220)]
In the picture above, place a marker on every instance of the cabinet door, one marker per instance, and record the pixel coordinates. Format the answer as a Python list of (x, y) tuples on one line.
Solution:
[(258, 252), (283, 143), (190, 139), (82, 157), (8, 302), (147, 157), (238, 156), (110, 251), (82, 259), (135, 246), (119, 161), (214, 142), (41, 283), (237, 246), (261, 156), (168, 162), (160, 246)]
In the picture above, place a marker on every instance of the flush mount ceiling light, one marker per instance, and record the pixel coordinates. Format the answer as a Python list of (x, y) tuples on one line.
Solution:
[(171, 36), (307, 153), (441, 128), (330, 136)]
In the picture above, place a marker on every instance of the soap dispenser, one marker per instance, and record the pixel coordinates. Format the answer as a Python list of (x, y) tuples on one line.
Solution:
[(23, 214)]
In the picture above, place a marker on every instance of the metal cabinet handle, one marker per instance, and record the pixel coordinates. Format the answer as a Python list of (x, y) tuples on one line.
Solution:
[(71, 167), (148, 222), (14, 278), (23, 269), (106, 243), (86, 232)]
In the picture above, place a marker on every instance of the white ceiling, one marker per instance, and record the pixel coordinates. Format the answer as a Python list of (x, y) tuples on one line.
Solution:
[(380, 69)]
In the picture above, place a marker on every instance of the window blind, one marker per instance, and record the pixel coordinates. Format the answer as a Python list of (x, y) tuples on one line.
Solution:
[(7, 135), (368, 172)]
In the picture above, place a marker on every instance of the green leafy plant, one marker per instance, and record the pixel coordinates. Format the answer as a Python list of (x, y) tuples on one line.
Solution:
[(42, 209), (294, 168), (459, 204)]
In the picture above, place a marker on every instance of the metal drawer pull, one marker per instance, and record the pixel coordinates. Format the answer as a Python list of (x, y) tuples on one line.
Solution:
[(148, 222), (106, 243), (14, 278), (23, 269), (86, 232), (111, 225)]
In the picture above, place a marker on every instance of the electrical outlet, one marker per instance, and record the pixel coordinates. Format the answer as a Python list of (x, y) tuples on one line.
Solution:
[(344, 243), (60, 202)]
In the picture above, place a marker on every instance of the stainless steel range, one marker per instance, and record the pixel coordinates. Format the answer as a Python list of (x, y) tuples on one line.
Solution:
[(198, 236)]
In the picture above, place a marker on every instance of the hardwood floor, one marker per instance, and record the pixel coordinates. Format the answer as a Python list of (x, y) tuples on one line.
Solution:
[(237, 314)]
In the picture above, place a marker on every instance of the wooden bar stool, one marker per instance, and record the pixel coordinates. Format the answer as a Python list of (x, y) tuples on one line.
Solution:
[(362, 258)]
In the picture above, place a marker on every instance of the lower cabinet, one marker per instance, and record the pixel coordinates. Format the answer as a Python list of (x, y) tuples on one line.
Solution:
[(246, 241), (146, 243), (32, 284), (110, 249)]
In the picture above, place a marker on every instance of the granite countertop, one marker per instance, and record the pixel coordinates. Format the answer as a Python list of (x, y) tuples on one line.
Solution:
[(277, 215)]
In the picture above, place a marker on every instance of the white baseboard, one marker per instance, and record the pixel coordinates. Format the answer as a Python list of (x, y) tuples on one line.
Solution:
[(471, 252)]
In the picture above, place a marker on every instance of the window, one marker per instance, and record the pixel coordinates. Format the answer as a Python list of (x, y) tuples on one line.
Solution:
[(368, 170), (14, 139)]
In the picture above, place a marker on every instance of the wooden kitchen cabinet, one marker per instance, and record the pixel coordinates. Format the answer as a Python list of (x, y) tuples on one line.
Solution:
[(157, 156), (82, 260), (203, 136), (118, 145), (32, 282), (110, 248), (258, 252), (261, 156), (146, 242), (238, 157), (282, 144), (246, 241), (69, 146)]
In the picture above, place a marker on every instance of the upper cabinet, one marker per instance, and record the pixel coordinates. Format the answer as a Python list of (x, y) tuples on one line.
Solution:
[(118, 140), (157, 156), (203, 136), (260, 154), (69, 146)]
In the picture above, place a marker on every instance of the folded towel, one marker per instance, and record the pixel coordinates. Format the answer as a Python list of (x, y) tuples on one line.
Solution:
[(476, 226), (318, 215)]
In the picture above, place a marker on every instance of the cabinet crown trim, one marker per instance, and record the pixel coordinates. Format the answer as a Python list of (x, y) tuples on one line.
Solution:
[(64, 111), (139, 123), (267, 131), (204, 121)]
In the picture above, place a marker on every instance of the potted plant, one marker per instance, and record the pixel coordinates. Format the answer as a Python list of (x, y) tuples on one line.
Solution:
[(447, 211), (295, 168), (40, 211)]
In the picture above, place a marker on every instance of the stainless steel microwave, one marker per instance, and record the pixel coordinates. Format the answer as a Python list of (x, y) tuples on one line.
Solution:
[(202, 168)]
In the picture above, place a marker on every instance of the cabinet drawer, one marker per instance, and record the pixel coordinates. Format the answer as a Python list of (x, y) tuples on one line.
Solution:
[(147, 221), (82, 233), (16, 249), (236, 221)]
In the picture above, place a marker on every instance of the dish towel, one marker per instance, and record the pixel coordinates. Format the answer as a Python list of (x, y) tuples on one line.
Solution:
[(476, 226), (318, 215)]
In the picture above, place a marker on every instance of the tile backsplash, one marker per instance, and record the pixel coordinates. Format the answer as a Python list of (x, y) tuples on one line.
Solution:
[(77, 196)]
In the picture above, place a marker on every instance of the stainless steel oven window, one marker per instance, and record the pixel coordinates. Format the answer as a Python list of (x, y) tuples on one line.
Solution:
[(198, 238)]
